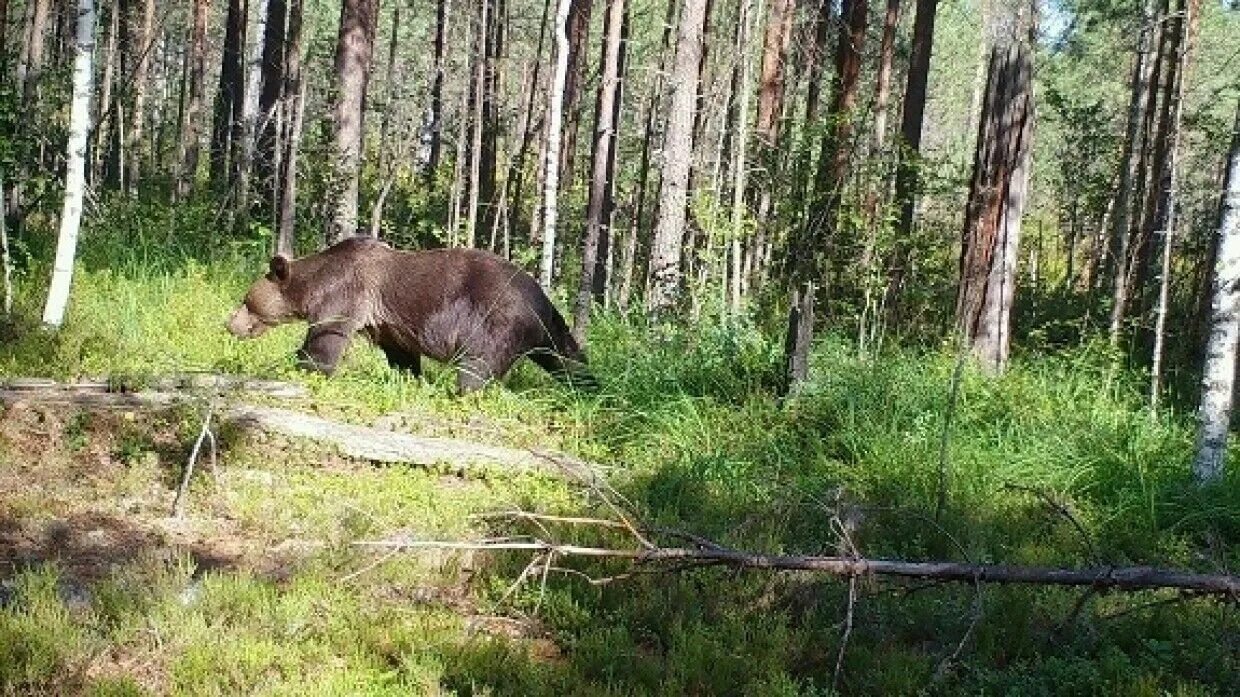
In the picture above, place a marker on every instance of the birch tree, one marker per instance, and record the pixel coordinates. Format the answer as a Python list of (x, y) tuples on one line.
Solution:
[(75, 168), (551, 153), (1219, 374)]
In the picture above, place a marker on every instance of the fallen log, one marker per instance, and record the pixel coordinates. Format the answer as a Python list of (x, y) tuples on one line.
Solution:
[(1120, 578), (351, 440)]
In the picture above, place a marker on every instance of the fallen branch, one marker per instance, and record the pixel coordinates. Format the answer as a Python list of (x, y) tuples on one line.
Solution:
[(1127, 578), (360, 442)]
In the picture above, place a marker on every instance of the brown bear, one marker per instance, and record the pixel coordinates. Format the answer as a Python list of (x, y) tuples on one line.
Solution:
[(462, 306)]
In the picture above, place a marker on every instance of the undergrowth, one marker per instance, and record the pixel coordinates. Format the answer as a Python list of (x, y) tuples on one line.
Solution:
[(1058, 462)]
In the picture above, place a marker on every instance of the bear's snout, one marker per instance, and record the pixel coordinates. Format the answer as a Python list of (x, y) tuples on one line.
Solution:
[(244, 325)]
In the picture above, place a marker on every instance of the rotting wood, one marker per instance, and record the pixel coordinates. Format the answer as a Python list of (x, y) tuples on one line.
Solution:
[(351, 440)]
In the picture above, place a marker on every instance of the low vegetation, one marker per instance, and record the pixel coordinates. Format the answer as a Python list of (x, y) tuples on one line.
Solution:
[(261, 589)]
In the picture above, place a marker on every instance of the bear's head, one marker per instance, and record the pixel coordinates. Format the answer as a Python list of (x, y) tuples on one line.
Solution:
[(266, 304)]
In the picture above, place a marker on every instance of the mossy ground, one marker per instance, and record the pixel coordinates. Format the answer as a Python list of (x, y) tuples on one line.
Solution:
[(257, 590)]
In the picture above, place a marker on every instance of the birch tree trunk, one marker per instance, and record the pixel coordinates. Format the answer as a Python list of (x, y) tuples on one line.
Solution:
[(665, 255), (602, 184), (75, 169), (1219, 374), (354, 48), (551, 154)]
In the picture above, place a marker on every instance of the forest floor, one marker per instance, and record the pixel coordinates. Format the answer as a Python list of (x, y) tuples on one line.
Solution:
[(261, 588)]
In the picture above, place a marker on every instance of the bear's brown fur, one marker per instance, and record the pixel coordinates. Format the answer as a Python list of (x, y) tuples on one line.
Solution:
[(463, 306)]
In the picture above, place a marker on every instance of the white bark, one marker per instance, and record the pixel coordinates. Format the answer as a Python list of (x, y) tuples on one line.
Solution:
[(75, 181), (5, 258), (739, 160), (1219, 374), (551, 155)]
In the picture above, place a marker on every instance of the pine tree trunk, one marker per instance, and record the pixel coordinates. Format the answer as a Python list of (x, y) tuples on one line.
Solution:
[(140, 45), (1219, 374), (602, 184), (294, 98), (390, 101), (229, 97), (551, 155), (191, 135), (515, 184), (30, 64), (997, 195), (270, 92), (578, 47), (1168, 188), (75, 167), (477, 118), (740, 155), (771, 89), (653, 108), (908, 168), (820, 226), (1124, 205), (666, 249), (354, 49), (436, 110)]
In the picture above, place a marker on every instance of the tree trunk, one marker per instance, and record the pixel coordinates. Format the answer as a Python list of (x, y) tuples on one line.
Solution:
[(436, 110), (578, 48), (191, 134), (834, 160), (354, 49), (515, 184), (665, 256), (771, 89), (140, 44), (602, 184), (1168, 188), (1120, 237), (391, 99), (477, 119), (271, 90), (551, 154), (229, 97), (1218, 376), (294, 98), (908, 168), (740, 161), (654, 102), (997, 195), (75, 168), (30, 64)]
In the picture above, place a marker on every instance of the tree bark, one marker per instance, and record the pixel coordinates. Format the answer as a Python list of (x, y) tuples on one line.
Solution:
[(271, 91), (294, 98), (578, 48), (666, 250), (191, 133), (551, 154), (908, 167), (515, 183), (740, 154), (1168, 187), (141, 40), (436, 109), (354, 49), (602, 183), (1121, 237), (75, 167), (820, 226), (229, 97), (30, 64), (997, 195), (1219, 374)]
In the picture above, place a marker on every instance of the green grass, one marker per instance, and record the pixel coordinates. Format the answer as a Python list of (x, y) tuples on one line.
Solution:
[(689, 418)]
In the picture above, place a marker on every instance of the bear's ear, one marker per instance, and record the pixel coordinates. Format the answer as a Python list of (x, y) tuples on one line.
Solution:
[(280, 267)]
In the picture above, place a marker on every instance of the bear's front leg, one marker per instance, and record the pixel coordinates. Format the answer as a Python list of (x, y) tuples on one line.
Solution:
[(324, 345)]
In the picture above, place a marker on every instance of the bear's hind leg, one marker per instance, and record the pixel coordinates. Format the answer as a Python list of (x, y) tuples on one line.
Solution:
[(401, 359)]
